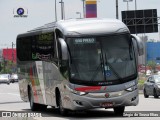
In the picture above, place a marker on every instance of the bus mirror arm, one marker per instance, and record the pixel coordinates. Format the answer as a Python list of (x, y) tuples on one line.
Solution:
[(64, 49), (139, 44)]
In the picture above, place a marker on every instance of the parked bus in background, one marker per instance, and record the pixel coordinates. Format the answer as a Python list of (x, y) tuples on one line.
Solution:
[(79, 64)]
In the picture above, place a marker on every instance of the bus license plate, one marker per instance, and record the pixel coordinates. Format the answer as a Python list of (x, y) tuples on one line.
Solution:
[(106, 104)]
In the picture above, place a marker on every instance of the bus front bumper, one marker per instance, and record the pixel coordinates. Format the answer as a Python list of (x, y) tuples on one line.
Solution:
[(95, 100)]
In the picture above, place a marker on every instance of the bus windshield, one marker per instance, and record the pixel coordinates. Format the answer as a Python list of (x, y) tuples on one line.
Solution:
[(102, 59)]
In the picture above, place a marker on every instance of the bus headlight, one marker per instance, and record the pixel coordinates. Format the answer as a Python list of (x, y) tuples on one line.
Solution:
[(131, 88), (80, 93), (76, 92)]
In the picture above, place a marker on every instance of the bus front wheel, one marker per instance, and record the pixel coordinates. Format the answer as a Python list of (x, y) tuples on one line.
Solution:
[(62, 110), (119, 110)]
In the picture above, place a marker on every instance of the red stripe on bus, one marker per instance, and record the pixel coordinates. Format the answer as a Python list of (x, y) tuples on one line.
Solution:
[(33, 85), (87, 89), (105, 88)]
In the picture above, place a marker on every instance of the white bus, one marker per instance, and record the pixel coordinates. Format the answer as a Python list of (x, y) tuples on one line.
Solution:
[(79, 64)]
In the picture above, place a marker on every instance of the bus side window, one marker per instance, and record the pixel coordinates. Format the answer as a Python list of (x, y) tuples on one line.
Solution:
[(24, 48)]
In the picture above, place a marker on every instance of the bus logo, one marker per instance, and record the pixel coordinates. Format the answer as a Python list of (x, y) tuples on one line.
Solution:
[(20, 12), (107, 95)]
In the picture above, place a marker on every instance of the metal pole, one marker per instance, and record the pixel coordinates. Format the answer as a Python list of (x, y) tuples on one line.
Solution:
[(63, 11), (7, 54), (55, 10), (61, 8), (127, 5), (135, 4), (116, 9), (83, 9), (135, 15), (12, 52)]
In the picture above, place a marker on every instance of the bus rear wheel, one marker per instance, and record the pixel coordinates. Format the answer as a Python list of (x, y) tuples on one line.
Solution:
[(35, 106), (119, 110)]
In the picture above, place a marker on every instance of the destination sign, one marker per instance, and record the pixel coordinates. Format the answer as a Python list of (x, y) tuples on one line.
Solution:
[(84, 40)]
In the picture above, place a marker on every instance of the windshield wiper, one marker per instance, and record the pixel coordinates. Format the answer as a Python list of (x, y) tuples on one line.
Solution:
[(113, 70), (101, 65)]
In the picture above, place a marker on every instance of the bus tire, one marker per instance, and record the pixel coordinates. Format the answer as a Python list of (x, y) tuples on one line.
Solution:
[(119, 110), (33, 105), (42, 107), (62, 110)]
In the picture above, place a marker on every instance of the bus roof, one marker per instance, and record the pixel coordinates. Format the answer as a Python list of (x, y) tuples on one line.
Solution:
[(92, 26), (87, 26)]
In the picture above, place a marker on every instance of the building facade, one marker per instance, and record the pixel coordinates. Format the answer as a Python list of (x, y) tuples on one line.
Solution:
[(153, 52), (8, 54)]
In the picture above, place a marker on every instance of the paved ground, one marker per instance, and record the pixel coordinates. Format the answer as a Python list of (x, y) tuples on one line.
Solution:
[(10, 101)]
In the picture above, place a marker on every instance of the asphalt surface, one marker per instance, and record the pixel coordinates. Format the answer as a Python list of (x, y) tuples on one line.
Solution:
[(148, 108)]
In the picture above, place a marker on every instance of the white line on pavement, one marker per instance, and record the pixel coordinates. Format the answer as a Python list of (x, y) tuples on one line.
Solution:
[(10, 94)]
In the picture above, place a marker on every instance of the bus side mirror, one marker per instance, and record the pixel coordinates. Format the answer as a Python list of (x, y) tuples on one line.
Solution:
[(139, 44), (64, 50)]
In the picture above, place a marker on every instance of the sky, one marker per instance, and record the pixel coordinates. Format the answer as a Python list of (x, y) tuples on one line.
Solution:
[(41, 12)]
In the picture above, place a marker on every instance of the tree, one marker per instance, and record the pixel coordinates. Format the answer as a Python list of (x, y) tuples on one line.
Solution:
[(152, 65), (7, 66)]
